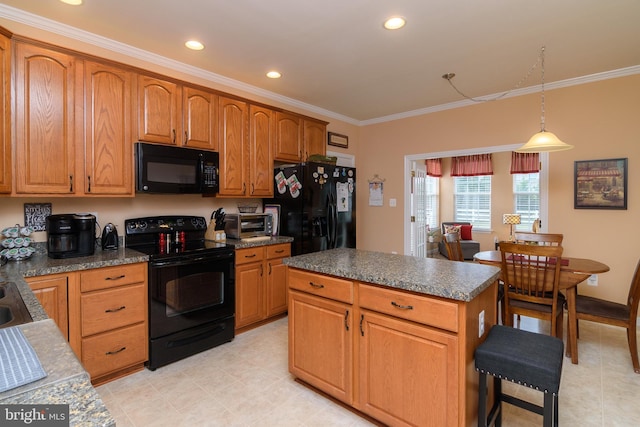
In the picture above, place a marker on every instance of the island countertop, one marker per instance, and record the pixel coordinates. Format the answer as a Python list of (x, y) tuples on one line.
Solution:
[(461, 281)]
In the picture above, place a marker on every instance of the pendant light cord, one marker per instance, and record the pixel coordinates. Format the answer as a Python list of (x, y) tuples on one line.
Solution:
[(541, 58), (449, 76)]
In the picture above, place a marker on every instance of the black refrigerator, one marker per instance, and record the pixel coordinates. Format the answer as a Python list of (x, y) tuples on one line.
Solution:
[(317, 206)]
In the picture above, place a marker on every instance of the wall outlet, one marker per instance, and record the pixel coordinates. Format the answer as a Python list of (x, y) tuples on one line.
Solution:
[(481, 324), (592, 280), (392, 203)]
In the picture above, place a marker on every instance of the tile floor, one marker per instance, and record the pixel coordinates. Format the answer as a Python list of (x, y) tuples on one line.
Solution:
[(246, 383)]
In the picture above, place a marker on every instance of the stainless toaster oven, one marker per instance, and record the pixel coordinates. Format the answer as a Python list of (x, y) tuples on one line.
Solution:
[(244, 225)]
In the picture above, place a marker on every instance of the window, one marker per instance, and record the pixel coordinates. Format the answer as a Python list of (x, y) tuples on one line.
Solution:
[(472, 200), (526, 199)]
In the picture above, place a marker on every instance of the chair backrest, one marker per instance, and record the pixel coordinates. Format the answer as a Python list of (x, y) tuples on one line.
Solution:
[(547, 239), (634, 293), (531, 272), (454, 248)]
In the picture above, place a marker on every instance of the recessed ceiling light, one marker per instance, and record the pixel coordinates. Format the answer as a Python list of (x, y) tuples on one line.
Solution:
[(274, 75), (394, 23), (72, 2), (194, 45)]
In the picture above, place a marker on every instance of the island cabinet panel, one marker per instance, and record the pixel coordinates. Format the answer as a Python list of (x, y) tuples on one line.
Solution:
[(45, 121), (321, 344), (408, 373), (428, 310), (321, 285), (5, 113)]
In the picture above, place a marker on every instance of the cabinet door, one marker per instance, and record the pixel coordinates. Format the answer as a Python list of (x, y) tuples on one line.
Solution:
[(108, 142), (315, 138), (400, 359), (261, 136), (45, 123), (199, 118), (5, 114), (159, 112), (288, 143), (320, 344), (276, 293), (51, 291), (234, 147), (249, 293)]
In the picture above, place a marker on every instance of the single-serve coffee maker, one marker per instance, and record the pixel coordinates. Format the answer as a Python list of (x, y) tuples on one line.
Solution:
[(71, 235)]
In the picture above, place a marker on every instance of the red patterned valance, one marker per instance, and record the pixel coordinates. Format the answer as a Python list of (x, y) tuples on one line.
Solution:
[(474, 165)]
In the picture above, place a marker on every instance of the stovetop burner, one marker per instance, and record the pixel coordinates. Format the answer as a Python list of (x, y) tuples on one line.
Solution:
[(168, 236)]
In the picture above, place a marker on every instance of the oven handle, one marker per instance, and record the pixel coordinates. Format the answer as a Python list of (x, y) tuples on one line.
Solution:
[(185, 261)]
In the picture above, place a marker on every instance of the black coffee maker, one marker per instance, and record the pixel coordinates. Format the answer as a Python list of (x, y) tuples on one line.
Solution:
[(71, 235)]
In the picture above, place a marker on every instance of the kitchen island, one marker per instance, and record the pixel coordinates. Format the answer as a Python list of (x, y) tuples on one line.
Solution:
[(392, 336)]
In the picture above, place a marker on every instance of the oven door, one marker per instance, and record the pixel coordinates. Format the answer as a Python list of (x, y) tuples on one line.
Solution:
[(190, 290)]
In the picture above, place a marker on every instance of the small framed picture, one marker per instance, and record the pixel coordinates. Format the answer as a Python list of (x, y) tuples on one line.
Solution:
[(600, 184), (274, 210), (338, 140)]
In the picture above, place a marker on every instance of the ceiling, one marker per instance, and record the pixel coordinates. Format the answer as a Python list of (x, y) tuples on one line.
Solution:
[(335, 56)]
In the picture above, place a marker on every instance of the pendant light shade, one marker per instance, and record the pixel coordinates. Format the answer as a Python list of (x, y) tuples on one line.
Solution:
[(544, 141)]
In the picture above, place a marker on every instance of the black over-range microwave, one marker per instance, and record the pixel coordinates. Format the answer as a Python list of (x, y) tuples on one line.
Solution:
[(175, 170)]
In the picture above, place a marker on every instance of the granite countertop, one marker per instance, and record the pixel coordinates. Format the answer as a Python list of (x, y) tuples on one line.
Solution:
[(461, 281), (67, 382), (241, 244)]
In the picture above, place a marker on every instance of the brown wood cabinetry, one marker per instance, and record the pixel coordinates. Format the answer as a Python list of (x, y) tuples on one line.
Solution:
[(321, 323), (261, 137), (298, 137), (234, 146), (400, 357), (199, 109), (261, 284), (108, 320), (108, 149), (51, 291), (45, 121), (5, 113)]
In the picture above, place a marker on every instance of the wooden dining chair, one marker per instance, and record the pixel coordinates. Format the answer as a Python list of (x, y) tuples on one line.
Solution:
[(454, 248), (545, 239), (612, 313), (531, 274)]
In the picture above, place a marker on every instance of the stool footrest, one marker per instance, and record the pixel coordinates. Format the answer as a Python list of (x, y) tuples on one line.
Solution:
[(522, 404)]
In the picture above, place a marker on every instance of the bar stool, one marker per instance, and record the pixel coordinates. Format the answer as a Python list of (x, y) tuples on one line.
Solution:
[(530, 359)]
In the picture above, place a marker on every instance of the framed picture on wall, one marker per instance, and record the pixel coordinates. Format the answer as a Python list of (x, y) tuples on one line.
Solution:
[(600, 184), (338, 140)]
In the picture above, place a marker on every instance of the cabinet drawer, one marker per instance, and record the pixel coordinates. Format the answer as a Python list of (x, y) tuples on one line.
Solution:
[(114, 350), (278, 251), (244, 256), (108, 277), (321, 285), (113, 308), (421, 309)]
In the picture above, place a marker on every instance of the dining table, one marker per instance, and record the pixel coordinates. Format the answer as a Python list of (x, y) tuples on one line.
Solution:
[(572, 272)]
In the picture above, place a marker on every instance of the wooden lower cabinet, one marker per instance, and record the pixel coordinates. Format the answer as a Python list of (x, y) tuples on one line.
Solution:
[(261, 284), (405, 359), (51, 291), (108, 327)]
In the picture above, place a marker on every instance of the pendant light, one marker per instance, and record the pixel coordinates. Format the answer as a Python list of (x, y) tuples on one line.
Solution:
[(544, 140)]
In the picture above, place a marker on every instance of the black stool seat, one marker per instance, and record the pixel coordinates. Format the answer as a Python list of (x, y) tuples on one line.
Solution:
[(530, 359)]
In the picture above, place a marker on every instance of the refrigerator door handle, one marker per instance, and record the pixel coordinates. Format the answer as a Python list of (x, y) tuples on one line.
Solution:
[(331, 225)]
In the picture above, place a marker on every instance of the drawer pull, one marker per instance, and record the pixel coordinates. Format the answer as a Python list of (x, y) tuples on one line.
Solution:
[(361, 327), (346, 320), (403, 307), (279, 251), (111, 353), (114, 310), (316, 285), (122, 276), (250, 256)]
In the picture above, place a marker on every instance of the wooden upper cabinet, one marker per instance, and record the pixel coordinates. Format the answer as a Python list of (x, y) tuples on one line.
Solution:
[(261, 136), (288, 142), (314, 138), (5, 114), (199, 118), (45, 89), (159, 111), (234, 146), (108, 142)]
